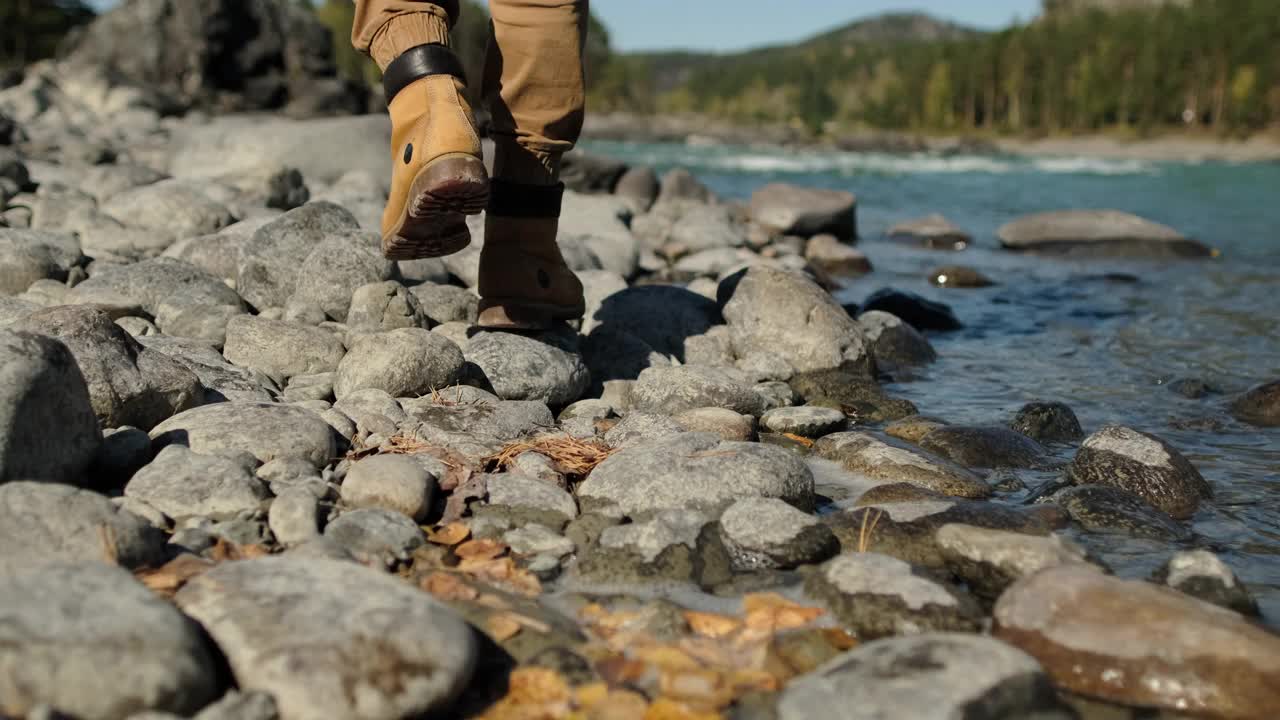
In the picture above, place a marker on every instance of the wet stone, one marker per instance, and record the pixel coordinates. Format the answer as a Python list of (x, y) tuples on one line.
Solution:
[(857, 396), (808, 422), (888, 460), (768, 533), (1259, 406), (1143, 464), (912, 428), (958, 276), (894, 343), (1204, 576), (1106, 509), (991, 560), (1048, 422), (985, 447), (919, 312)]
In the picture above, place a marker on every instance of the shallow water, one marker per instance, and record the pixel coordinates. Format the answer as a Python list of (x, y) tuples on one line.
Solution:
[(1061, 329)]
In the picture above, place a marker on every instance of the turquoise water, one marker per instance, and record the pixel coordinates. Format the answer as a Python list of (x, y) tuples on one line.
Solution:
[(1072, 330)]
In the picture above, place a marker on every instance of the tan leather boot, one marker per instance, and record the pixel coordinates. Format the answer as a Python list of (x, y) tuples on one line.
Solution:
[(525, 283), (437, 172)]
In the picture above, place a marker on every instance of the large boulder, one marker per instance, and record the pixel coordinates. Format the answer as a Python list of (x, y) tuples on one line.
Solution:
[(793, 210), (1097, 233), (48, 430), (787, 315), (217, 54)]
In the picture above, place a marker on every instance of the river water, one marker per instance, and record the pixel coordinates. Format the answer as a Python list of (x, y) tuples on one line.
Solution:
[(1074, 330)]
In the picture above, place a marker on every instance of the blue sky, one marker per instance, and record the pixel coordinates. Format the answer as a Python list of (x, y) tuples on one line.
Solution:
[(735, 24)]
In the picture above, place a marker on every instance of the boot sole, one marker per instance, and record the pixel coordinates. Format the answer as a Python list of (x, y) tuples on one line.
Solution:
[(433, 223), (514, 315)]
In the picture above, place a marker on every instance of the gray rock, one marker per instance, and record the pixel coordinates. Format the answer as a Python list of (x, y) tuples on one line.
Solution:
[(641, 427), (1143, 464), (876, 596), (596, 226), (137, 327), (43, 523), (265, 430), (935, 675), (197, 321), (810, 422), (765, 368), (932, 231), (688, 225), (672, 390), (985, 447), (546, 367), (375, 536), (267, 272), (787, 314), (151, 282), (294, 516), (1108, 509), (834, 257), (714, 348), (537, 540), (523, 499), (275, 186), (1203, 575), (447, 303), (991, 560), (765, 533), (680, 184), (217, 254), (90, 641), (310, 388), (1051, 422), (240, 706), (776, 395), (919, 312), (48, 427), (184, 484), (361, 404), (13, 309), (675, 544), (128, 384), (695, 470), (1097, 233), (281, 349), (639, 186), (475, 429), (336, 267), (728, 424), (1259, 406), (30, 255), (890, 461), (390, 482), (894, 343), (179, 206), (385, 306), (712, 262), (386, 651), (405, 362), (222, 380), (793, 210), (124, 450), (644, 326)]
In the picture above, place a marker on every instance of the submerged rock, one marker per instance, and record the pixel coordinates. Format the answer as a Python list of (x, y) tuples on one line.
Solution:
[(894, 343), (1204, 576), (958, 276), (1047, 422), (985, 447), (857, 396), (932, 231), (1260, 406), (1103, 508), (1143, 464), (1185, 655), (1094, 233)]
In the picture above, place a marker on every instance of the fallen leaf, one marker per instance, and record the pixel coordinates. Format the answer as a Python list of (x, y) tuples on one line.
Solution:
[(667, 709), (493, 602), (170, 577), (711, 625), (485, 549), (797, 438), (450, 534), (840, 639), (501, 627), (620, 705), (448, 586), (770, 612), (620, 670), (667, 657)]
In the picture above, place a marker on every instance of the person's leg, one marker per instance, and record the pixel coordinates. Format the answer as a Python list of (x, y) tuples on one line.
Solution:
[(437, 173), (533, 84)]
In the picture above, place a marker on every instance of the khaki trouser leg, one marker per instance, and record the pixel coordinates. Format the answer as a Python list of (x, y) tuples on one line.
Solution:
[(386, 28), (533, 85)]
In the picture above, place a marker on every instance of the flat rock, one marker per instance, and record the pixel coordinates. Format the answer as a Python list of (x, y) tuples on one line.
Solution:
[(991, 560), (674, 544), (876, 596), (336, 267), (178, 206), (47, 420), (985, 447), (265, 430), (672, 390), (292, 628), (932, 231), (151, 282), (523, 499), (810, 422), (695, 470), (1185, 656), (1047, 422), (128, 383), (546, 367), (222, 380), (891, 461), (89, 641), (787, 314), (182, 484), (448, 303), (390, 482), (42, 523), (1143, 464), (281, 349), (728, 424), (1109, 509), (766, 533), (793, 210), (267, 271), (1259, 406), (1096, 233), (935, 675), (408, 362), (1204, 576), (688, 224), (858, 396), (641, 427)]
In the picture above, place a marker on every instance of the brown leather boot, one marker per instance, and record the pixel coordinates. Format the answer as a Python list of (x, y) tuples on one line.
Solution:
[(437, 172), (525, 283)]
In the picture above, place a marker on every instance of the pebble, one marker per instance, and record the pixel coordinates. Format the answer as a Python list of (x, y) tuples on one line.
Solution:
[(267, 431), (523, 499), (182, 484), (534, 539), (1185, 656), (292, 627), (294, 516), (408, 362), (810, 422), (672, 390), (383, 306), (391, 482), (376, 536), (729, 425), (1048, 422), (1143, 464), (92, 642), (765, 533)]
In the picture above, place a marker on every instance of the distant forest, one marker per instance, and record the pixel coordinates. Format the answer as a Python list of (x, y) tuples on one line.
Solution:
[(1084, 66)]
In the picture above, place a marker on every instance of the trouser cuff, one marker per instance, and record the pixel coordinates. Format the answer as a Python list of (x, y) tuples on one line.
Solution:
[(403, 32)]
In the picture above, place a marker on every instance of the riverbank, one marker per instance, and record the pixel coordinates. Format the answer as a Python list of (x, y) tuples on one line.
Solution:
[(1197, 147)]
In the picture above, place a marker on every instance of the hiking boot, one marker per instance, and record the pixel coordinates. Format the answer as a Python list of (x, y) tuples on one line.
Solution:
[(525, 283), (437, 173)]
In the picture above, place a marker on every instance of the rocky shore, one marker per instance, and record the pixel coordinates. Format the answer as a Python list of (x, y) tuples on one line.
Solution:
[(250, 469)]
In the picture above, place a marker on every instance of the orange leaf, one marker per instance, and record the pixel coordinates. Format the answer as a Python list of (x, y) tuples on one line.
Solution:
[(448, 586), (667, 709), (710, 624), (802, 440), (170, 577), (620, 705), (588, 696), (772, 613), (529, 685), (667, 658), (450, 534), (485, 549), (501, 627), (840, 639)]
